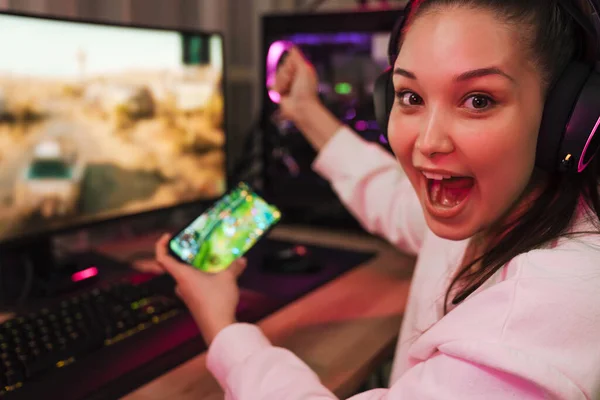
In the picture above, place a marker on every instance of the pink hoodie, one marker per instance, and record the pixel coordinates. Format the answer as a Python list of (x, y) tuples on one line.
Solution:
[(531, 332)]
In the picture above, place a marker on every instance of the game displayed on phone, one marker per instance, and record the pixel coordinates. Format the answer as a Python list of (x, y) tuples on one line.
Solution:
[(226, 231)]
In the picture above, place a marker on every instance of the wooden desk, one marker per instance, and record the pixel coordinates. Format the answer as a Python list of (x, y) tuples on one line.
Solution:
[(342, 331)]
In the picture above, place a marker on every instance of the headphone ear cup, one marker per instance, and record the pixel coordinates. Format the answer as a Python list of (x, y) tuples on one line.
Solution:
[(581, 139), (558, 115), (383, 100)]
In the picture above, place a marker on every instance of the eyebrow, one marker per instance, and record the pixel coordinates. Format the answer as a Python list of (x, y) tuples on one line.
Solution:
[(465, 76)]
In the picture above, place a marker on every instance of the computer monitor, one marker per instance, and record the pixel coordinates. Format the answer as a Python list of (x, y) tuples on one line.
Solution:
[(349, 51), (102, 121)]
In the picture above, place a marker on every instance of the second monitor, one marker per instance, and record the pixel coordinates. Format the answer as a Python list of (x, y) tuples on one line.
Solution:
[(348, 51)]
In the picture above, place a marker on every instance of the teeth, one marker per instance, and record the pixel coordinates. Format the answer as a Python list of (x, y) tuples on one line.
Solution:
[(437, 177)]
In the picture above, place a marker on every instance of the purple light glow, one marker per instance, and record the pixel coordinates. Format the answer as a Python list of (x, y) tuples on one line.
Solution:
[(351, 114), (382, 139), (361, 125), (275, 52), (331, 38), (324, 88)]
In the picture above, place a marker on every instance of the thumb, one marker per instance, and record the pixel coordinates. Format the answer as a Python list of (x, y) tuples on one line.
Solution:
[(175, 268)]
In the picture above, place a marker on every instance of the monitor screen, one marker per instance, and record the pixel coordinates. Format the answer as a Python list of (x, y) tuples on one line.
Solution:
[(99, 121)]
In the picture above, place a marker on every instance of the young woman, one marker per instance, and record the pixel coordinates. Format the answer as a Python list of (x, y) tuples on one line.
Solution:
[(505, 300)]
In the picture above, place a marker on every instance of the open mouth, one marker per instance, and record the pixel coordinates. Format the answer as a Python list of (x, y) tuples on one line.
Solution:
[(448, 192)]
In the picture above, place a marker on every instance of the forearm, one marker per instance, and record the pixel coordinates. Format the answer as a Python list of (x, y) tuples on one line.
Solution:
[(371, 184), (316, 122)]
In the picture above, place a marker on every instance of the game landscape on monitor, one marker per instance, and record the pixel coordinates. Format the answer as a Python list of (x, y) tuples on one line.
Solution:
[(99, 121)]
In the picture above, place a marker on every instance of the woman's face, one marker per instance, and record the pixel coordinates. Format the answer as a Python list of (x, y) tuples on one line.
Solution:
[(468, 106)]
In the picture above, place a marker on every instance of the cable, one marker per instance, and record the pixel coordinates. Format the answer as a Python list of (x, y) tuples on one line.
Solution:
[(280, 149), (596, 22), (595, 7), (2, 291), (242, 170), (28, 284)]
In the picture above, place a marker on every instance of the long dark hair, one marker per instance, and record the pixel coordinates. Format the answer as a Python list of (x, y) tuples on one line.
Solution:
[(552, 38)]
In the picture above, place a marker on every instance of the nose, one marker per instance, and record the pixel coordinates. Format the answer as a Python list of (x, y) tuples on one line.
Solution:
[(433, 137)]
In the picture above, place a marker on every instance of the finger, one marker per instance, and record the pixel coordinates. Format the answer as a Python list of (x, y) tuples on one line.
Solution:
[(285, 71), (237, 267), (282, 80), (294, 52), (160, 248), (288, 67), (148, 265), (283, 83), (177, 269), (296, 57), (161, 244)]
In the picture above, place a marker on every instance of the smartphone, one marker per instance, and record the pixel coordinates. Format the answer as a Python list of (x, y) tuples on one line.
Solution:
[(225, 231)]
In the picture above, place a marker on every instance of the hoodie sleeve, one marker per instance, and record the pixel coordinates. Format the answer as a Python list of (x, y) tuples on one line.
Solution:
[(373, 187), (531, 337), (253, 369)]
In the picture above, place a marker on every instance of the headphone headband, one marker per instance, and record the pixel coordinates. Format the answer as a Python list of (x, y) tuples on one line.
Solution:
[(591, 27), (567, 139), (397, 32)]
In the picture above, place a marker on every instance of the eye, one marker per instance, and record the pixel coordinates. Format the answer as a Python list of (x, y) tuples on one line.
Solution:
[(408, 99), (479, 102)]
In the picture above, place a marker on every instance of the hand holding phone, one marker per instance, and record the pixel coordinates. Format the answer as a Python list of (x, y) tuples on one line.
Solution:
[(211, 298), (226, 231)]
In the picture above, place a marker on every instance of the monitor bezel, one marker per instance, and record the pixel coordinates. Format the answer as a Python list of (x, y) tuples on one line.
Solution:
[(43, 234), (369, 20)]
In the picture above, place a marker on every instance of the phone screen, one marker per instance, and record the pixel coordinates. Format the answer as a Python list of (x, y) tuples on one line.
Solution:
[(226, 231)]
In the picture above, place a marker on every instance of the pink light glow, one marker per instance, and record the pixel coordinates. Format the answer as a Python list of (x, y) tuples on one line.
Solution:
[(274, 96), (275, 52), (361, 125), (84, 274), (581, 165)]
